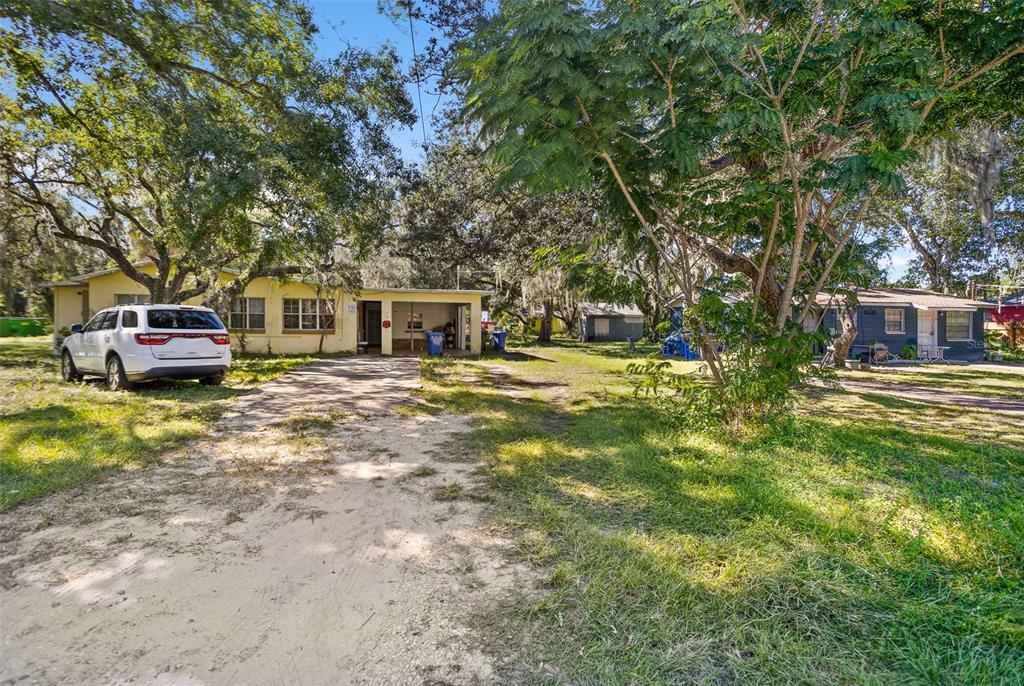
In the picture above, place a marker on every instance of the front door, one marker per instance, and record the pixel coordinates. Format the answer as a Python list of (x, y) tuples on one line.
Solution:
[(601, 327), (927, 323), (372, 324)]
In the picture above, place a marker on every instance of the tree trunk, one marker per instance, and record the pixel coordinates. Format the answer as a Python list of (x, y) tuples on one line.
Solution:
[(219, 300), (570, 317), (842, 343), (652, 321), (545, 323)]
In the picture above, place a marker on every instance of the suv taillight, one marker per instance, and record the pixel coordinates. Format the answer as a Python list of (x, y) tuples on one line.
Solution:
[(152, 338), (221, 339)]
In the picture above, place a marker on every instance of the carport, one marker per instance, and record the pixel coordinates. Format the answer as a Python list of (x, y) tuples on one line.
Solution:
[(395, 321)]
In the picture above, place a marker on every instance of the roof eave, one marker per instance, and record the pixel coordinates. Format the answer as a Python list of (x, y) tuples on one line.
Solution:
[(58, 284)]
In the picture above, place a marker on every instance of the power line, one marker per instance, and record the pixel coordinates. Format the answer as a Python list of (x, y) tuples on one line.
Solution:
[(419, 94)]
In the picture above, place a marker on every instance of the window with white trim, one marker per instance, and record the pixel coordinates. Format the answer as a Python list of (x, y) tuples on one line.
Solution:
[(894, 320), (958, 326), (132, 299), (414, 322), (248, 314), (308, 314)]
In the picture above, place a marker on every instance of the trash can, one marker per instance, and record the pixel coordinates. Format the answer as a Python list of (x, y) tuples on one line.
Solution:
[(499, 339), (435, 342)]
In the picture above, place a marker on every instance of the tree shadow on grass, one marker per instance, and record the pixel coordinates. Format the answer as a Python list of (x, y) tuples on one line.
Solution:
[(53, 447), (680, 556), (514, 356), (610, 350), (958, 372)]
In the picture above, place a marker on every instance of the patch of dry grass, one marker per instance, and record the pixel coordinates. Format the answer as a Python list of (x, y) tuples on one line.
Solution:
[(447, 492)]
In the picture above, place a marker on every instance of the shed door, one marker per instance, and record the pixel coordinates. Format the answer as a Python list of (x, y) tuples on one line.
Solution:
[(601, 328)]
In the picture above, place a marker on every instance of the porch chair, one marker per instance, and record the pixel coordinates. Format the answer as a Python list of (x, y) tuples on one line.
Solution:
[(880, 353)]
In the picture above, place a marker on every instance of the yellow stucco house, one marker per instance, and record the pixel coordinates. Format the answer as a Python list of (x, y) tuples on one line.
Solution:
[(287, 316)]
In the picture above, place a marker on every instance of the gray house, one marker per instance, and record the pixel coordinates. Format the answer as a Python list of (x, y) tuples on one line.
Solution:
[(608, 322), (927, 320)]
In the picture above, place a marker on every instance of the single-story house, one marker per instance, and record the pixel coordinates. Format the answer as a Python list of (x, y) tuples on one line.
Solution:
[(288, 316), (1008, 316), (897, 317), (610, 322)]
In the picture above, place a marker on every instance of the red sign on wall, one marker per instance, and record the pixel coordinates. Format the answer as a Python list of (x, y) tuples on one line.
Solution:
[(386, 323)]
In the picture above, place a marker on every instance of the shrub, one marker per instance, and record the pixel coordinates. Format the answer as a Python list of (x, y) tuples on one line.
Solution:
[(758, 372)]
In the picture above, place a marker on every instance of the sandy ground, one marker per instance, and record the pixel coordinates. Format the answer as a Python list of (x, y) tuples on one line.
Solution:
[(316, 538)]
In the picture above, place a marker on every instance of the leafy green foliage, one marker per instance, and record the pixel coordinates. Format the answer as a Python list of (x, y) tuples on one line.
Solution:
[(741, 138), (195, 134), (30, 255), (460, 227), (759, 373), (937, 214)]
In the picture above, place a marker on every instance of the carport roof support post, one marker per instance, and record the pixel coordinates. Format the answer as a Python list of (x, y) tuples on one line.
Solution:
[(385, 331), (474, 326)]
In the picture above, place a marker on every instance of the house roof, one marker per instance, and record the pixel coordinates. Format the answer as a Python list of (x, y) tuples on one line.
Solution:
[(609, 310), (453, 291), (918, 298), (84, 279), (1008, 300)]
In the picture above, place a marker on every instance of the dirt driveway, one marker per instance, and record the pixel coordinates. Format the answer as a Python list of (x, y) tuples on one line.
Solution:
[(317, 537)]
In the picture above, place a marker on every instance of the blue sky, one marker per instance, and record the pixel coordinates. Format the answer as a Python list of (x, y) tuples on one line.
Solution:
[(357, 22)]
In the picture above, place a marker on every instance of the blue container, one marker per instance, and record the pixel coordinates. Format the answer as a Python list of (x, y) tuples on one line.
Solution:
[(670, 346), (688, 352), (499, 339), (435, 342)]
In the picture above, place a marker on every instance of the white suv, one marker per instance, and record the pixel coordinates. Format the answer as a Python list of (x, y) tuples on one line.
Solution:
[(133, 343)]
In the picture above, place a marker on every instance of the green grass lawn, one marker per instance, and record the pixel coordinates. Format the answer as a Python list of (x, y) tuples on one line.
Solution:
[(870, 540), (54, 435)]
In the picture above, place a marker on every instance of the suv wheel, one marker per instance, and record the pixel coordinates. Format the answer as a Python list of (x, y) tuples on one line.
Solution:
[(68, 370), (116, 379)]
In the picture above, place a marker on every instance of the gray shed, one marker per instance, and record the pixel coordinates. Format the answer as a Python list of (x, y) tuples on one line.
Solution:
[(610, 322)]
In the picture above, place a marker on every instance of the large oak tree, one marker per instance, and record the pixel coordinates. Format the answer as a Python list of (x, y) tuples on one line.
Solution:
[(194, 134), (462, 228)]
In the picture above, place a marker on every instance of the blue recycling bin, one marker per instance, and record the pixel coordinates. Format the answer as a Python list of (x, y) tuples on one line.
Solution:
[(671, 345), (499, 339), (435, 342)]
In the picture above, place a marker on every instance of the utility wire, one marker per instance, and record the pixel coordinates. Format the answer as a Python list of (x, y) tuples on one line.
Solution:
[(419, 94)]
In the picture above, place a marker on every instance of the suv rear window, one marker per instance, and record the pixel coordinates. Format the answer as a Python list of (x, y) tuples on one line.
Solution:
[(182, 319), (129, 319)]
